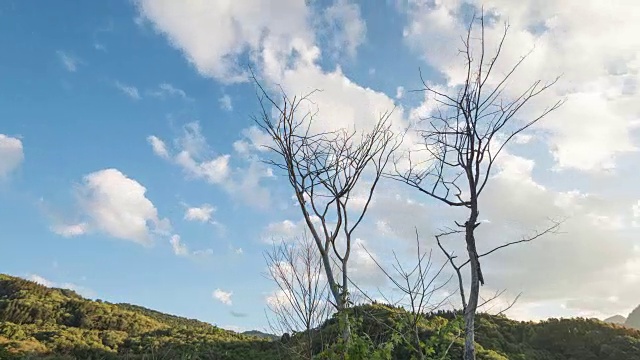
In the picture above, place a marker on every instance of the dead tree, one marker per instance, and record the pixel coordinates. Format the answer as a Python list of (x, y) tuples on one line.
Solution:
[(300, 305), (464, 136), (325, 170), (419, 286)]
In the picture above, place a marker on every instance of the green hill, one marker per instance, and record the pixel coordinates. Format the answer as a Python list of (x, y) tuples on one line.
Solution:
[(37, 322), (500, 338), (42, 321)]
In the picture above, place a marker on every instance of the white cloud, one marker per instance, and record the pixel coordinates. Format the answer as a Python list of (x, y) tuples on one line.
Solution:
[(194, 155), (399, 92), (69, 61), (203, 252), (286, 230), (83, 291), (11, 154), (115, 204), (363, 269), (179, 248), (522, 138), (344, 27), (197, 160), (70, 230), (166, 90), (215, 170), (202, 213), (254, 140), (129, 90), (635, 209), (238, 28), (40, 280), (225, 103), (223, 296), (341, 103), (277, 298), (599, 81), (579, 263), (158, 146)]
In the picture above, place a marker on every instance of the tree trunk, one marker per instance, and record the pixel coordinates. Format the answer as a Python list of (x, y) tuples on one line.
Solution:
[(333, 286), (346, 332), (474, 293)]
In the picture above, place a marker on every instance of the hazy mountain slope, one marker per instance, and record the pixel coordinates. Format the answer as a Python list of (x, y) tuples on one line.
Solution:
[(616, 319), (633, 320)]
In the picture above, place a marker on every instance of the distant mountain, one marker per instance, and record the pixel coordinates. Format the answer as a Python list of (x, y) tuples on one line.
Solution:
[(260, 334), (633, 320), (616, 319)]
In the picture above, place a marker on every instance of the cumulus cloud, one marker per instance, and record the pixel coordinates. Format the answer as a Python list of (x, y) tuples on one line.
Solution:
[(222, 296), (116, 205), (11, 154), (239, 29), (599, 81), (202, 213), (579, 262)]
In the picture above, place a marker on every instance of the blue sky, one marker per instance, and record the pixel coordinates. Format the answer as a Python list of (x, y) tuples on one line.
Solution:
[(86, 89)]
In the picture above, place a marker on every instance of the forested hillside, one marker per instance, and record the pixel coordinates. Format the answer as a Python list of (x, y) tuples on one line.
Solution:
[(38, 320), (51, 323)]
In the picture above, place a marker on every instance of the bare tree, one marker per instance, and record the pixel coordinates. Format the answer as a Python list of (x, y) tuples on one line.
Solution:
[(419, 285), (325, 170), (464, 137), (300, 305)]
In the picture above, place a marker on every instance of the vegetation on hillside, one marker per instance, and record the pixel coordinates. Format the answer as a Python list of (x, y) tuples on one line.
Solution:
[(37, 322), (44, 321)]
